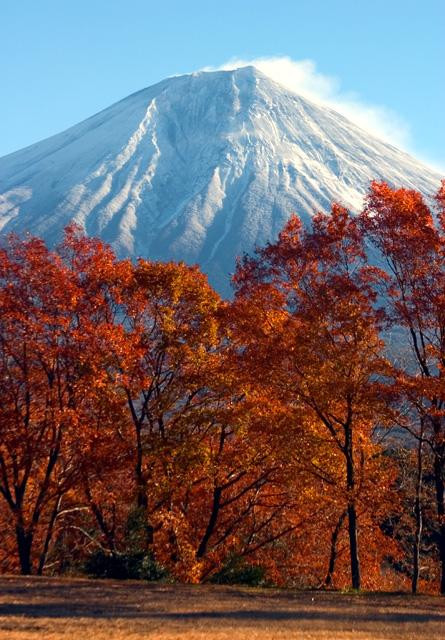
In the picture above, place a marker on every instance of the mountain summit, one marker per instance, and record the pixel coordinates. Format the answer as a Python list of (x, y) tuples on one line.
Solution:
[(198, 168)]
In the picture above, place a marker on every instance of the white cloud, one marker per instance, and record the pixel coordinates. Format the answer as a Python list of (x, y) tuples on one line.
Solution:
[(302, 77)]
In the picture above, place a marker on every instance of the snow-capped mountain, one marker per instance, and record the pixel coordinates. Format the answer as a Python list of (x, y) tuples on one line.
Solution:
[(198, 168)]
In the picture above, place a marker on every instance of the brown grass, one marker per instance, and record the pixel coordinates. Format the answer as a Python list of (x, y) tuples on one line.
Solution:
[(80, 609)]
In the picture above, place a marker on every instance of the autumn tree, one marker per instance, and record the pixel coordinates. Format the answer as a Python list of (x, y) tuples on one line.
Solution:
[(167, 403), (199, 472), (42, 394), (311, 315), (401, 226), (141, 413), (161, 351)]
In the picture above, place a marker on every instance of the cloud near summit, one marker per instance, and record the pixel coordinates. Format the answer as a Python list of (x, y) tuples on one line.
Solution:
[(302, 77)]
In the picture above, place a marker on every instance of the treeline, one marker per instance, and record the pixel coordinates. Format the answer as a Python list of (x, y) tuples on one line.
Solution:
[(294, 435)]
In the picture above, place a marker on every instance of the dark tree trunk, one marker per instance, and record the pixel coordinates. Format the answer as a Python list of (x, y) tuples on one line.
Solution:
[(216, 505), (24, 545), (48, 537), (351, 510), (141, 489), (142, 505), (141, 497), (141, 485), (212, 522), (440, 496), (100, 519), (353, 546), (418, 516), (333, 555)]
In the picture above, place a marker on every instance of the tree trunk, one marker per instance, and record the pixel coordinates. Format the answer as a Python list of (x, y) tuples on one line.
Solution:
[(141, 490), (100, 519), (24, 545), (142, 505), (418, 516), (353, 546), (351, 510), (48, 537), (212, 522), (141, 485), (440, 496), (333, 555)]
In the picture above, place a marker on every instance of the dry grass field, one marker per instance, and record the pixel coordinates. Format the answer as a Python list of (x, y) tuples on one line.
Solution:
[(81, 609)]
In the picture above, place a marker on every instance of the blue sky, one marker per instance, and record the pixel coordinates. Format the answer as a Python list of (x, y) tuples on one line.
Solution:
[(63, 60)]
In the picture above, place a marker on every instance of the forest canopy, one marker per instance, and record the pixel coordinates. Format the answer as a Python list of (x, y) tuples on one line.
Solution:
[(294, 435)]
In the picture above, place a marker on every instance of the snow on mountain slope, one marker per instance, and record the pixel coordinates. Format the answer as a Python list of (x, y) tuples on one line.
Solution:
[(198, 168)]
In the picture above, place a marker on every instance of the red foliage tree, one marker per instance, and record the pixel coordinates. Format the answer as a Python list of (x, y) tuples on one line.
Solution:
[(403, 229), (309, 303)]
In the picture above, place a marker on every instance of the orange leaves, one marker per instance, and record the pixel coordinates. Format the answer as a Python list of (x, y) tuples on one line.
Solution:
[(400, 225), (324, 356), (140, 412)]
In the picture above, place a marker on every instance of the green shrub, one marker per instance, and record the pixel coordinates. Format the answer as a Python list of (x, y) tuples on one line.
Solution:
[(237, 571), (129, 566)]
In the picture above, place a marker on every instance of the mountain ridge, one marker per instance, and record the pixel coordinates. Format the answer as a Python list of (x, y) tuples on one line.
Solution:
[(200, 167)]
